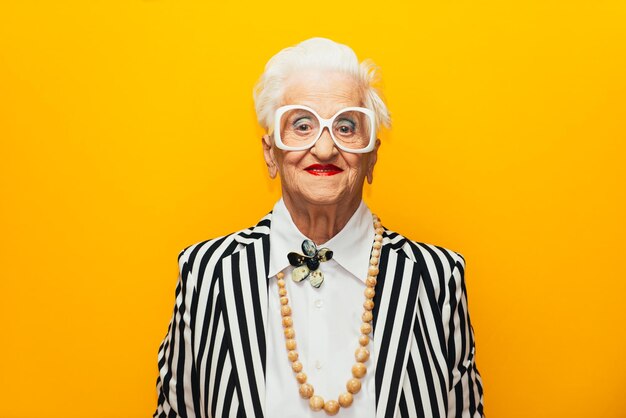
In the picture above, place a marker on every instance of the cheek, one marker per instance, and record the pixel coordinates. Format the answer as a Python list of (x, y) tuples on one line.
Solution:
[(358, 163), (287, 161), (281, 157)]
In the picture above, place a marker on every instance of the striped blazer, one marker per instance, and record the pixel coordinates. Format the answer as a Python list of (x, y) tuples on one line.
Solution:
[(212, 360)]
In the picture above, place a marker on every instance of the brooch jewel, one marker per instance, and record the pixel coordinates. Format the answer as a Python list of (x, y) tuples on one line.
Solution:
[(307, 265)]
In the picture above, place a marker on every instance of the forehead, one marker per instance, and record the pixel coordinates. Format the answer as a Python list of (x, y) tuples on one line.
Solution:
[(325, 92)]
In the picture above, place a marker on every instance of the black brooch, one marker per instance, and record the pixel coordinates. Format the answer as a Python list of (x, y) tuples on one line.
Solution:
[(307, 265)]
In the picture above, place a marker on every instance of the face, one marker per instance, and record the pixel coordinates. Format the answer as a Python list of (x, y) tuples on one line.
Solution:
[(323, 174)]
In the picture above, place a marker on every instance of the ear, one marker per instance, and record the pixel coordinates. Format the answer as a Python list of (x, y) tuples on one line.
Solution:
[(268, 154), (372, 162)]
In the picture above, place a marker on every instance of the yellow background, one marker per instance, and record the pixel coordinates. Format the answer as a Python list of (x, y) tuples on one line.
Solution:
[(127, 133)]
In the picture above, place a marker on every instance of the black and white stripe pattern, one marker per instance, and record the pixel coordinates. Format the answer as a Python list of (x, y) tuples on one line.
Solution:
[(212, 360)]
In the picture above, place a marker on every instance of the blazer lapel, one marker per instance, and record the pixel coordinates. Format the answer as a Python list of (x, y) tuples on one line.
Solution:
[(245, 298), (394, 316)]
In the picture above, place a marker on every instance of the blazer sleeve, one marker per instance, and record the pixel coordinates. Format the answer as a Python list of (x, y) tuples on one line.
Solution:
[(176, 389), (465, 397)]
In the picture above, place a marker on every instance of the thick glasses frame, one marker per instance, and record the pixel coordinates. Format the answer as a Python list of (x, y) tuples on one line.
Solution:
[(324, 123)]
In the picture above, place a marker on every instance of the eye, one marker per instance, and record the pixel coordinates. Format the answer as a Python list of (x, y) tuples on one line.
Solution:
[(302, 125), (345, 127)]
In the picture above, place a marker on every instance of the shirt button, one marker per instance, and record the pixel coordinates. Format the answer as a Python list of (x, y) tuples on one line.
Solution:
[(318, 364), (319, 303)]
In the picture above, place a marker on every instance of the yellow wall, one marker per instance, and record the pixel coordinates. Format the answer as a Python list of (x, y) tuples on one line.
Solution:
[(127, 132)]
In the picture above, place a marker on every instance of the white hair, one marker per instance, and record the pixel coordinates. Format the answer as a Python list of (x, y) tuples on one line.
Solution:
[(320, 54)]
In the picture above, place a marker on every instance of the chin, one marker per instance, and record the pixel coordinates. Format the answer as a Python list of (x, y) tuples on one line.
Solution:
[(322, 201), (328, 199)]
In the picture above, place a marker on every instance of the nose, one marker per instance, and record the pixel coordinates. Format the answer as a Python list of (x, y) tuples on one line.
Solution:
[(324, 148)]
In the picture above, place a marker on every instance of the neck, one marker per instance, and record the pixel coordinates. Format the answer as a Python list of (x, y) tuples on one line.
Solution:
[(320, 222)]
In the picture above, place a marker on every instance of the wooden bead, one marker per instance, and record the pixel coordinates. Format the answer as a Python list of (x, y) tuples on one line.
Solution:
[(377, 245), (280, 275), (301, 377), (359, 370), (289, 333), (369, 293), (306, 390), (364, 340), (362, 354), (377, 224), (373, 271), (368, 305), (367, 316), (366, 328), (285, 310), (375, 252), (379, 230), (296, 366), (316, 403), (282, 291), (374, 261), (345, 399), (292, 355), (290, 344), (287, 321), (281, 283), (370, 281), (353, 386), (378, 238), (284, 300), (331, 407)]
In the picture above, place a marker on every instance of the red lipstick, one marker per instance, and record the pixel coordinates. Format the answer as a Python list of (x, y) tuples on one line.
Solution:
[(323, 169)]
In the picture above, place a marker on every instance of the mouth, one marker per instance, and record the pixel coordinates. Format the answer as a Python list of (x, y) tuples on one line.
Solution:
[(323, 169)]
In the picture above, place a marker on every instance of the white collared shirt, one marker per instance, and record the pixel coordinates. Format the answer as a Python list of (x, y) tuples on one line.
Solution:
[(326, 320)]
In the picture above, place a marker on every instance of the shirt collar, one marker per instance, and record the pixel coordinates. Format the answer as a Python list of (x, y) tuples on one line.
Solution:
[(351, 246)]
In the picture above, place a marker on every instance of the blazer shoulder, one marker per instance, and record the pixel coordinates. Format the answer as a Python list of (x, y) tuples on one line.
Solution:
[(197, 257), (441, 269)]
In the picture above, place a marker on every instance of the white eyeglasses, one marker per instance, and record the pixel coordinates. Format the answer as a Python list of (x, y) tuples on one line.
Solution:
[(297, 128)]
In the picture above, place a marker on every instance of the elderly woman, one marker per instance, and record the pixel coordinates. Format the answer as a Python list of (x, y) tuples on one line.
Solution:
[(318, 307)]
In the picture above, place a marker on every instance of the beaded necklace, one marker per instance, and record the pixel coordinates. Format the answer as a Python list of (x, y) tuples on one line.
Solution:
[(362, 354)]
